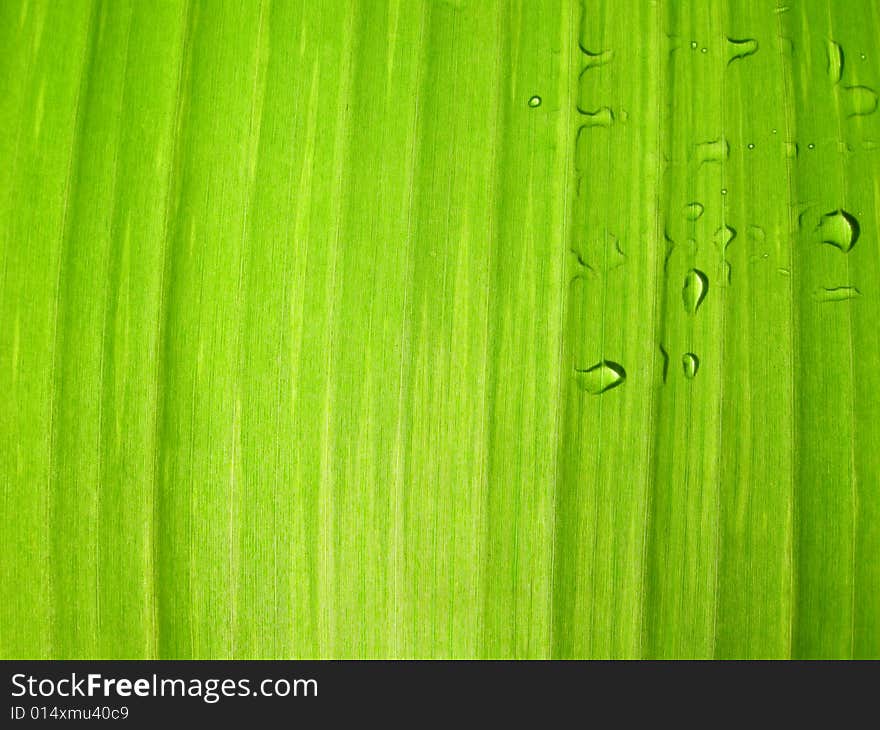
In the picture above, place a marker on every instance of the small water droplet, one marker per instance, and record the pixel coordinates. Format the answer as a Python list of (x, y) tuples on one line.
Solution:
[(601, 117), (690, 364), (694, 44), (695, 289), (597, 58), (716, 150), (836, 294), (601, 377), (834, 52), (724, 191), (751, 145), (811, 146), (535, 101), (740, 48), (863, 57), (692, 211), (783, 271), (704, 50), (781, 9), (772, 131), (791, 149), (840, 229), (860, 101)]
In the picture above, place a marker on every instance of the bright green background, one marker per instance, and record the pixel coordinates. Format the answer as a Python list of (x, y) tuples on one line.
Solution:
[(291, 306)]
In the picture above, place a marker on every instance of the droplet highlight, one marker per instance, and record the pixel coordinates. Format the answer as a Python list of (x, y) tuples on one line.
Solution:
[(601, 377), (695, 289), (839, 229), (690, 363)]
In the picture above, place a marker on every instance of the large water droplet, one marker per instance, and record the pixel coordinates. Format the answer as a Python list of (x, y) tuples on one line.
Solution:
[(740, 48), (859, 101), (696, 287), (692, 211), (690, 363), (665, 356), (716, 150), (840, 229), (836, 294), (834, 52), (602, 376), (601, 117)]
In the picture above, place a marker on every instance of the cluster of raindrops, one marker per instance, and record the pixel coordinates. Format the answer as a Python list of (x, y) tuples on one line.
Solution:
[(837, 228)]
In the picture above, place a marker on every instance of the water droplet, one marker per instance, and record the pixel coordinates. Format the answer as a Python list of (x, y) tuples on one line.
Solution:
[(690, 364), (602, 117), (836, 294), (724, 191), (811, 146), (535, 101), (860, 101), (602, 376), (597, 58), (772, 131), (835, 61), (692, 211), (724, 237), (791, 149), (863, 57), (751, 145), (695, 289), (716, 150), (783, 271), (781, 9), (840, 229), (704, 50), (740, 48), (665, 356), (694, 44)]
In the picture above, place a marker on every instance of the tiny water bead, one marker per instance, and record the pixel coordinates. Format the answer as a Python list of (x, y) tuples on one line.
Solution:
[(811, 146), (694, 44), (690, 364), (751, 145), (704, 50), (535, 102), (724, 191), (839, 229), (695, 289), (601, 377)]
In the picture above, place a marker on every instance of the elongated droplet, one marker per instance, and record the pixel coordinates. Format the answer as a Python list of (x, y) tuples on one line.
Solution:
[(601, 117), (859, 101), (696, 286), (665, 356), (690, 364), (694, 210), (602, 376), (790, 149), (738, 48), (840, 229), (597, 58), (835, 61), (724, 237), (836, 294), (716, 150)]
